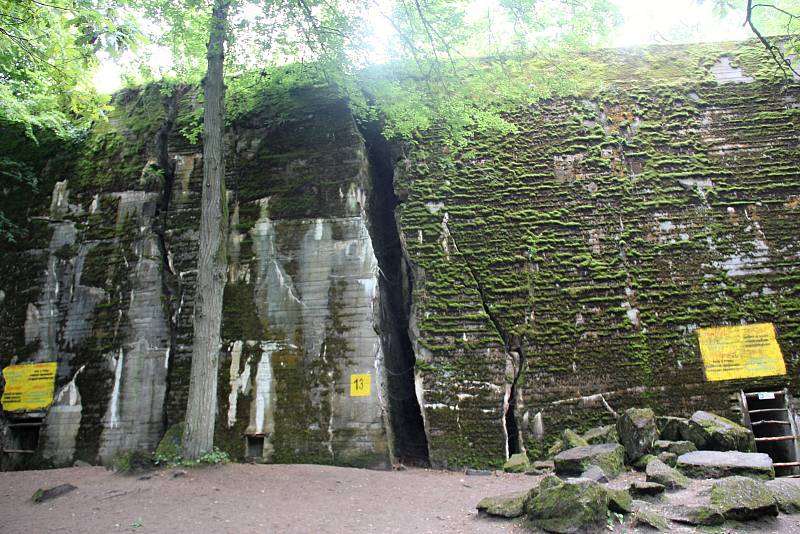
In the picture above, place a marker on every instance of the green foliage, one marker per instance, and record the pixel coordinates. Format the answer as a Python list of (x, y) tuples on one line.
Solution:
[(131, 462)]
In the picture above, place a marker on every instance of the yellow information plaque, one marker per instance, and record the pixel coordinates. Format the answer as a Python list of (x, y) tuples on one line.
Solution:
[(747, 351), (29, 386), (360, 385)]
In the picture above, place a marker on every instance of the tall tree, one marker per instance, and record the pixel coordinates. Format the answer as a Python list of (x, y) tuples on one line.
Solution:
[(212, 259)]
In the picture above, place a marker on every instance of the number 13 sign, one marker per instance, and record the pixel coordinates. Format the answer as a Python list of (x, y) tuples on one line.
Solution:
[(360, 385)]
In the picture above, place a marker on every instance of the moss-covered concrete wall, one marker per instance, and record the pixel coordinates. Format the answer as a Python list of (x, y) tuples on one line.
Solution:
[(555, 273), (575, 258)]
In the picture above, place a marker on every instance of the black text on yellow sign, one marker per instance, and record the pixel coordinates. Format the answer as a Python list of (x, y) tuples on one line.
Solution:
[(360, 385)]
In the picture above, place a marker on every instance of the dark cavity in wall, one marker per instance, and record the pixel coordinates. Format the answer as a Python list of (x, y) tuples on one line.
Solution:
[(394, 283)]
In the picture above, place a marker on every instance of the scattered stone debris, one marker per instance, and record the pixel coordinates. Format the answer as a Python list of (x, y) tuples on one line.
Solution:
[(711, 432), (178, 473), (660, 473), (637, 432), (787, 493), (649, 519), (477, 472), (742, 498), (701, 515), (577, 498), (716, 464), (601, 434), (563, 507), (518, 463), (607, 456), (646, 489), (43, 495), (509, 505)]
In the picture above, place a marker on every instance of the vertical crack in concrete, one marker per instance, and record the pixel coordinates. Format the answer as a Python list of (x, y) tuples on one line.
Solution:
[(515, 355)]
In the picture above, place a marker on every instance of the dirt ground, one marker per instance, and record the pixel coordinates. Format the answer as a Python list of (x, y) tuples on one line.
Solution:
[(240, 498)]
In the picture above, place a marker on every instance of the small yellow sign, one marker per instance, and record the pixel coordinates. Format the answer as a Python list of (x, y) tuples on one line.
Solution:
[(747, 351), (360, 385), (29, 386)]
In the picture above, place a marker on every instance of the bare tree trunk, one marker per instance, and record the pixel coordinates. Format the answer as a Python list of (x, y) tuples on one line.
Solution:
[(201, 409)]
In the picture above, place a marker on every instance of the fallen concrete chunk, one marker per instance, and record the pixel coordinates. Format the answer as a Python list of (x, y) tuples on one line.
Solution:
[(542, 467), (594, 473), (711, 432), (619, 500), (608, 456), (787, 493), (716, 464), (660, 473), (673, 428), (742, 498), (565, 507), (646, 489), (518, 463), (601, 434), (508, 505), (43, 495), (702, 515), (571, 439), (651, 520), (668, 458), (637, 432), (675, 447)]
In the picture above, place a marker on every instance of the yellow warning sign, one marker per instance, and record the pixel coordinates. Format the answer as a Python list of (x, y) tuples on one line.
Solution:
[(29, 386), (360, 385), (747, 351)]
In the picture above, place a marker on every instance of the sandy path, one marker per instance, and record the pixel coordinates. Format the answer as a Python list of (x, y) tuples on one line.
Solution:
[(255, 498)]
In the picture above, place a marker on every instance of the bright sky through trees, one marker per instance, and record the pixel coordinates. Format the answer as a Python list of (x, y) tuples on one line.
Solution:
[(643, 22)]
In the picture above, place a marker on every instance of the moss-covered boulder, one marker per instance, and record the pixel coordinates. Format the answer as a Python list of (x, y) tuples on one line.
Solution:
[(668, 458), (709, 431), (619, 500), (717, 464), (675, 447), (641, 463), (518, 463), (646, 489), (787, 493), (651, 520), (700, 515), (601, 434), (672, 428), (567, 507), (660, 473), (608, 456), (508, 505), (742, 498), (637, 431), (572, 439)]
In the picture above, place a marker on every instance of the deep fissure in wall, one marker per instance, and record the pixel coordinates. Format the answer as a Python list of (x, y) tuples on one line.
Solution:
[(395, 284)]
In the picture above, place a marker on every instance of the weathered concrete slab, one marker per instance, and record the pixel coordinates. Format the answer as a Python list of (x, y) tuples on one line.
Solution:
[(717, 464)]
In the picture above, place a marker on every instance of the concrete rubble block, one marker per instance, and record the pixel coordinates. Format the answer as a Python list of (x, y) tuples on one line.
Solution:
[(672, 428), (700, 515), (787, 493), (711, 432), (518, 463), (743, 499), (668, 458), (651, 520), (717, 464), (595, 473), (508, 505), (637, 432), (660, 473), (646, 489), (601, 434), (641, 463), (619, 500), (542, 467), (608, 456), (571, 439), (675, 447), (566, 507)]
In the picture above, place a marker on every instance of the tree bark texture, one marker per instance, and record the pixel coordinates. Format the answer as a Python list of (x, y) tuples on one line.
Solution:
[(201, 409)]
